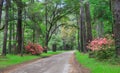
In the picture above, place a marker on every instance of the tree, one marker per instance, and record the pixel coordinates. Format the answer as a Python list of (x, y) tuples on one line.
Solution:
[(10, 29), (116, 13), (19, 25), (1, 5), (78, 24), (57, 10), (82, 28), (46, 23), (6, 27), (101, 17), (88, 21)]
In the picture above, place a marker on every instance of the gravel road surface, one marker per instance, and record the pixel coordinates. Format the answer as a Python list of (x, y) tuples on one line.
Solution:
[(55, 64)]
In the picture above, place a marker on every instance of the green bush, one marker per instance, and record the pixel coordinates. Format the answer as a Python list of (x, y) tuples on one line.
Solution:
[(105, 54)]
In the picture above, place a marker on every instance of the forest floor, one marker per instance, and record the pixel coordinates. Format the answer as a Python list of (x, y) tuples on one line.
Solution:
[(61, 63)]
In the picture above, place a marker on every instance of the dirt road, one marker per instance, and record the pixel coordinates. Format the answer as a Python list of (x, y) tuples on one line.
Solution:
[(55, 64)]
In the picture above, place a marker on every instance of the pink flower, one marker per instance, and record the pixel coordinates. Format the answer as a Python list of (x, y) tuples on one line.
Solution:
[(98, 44)]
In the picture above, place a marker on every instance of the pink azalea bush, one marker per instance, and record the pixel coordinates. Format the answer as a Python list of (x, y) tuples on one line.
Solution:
[(34, 49), (102, 48), (99, 43)]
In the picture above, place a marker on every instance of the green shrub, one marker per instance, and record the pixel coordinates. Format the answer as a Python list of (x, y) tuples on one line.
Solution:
[(105, 53)]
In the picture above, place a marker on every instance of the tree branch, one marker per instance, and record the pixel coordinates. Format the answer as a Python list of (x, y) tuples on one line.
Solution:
[(50, 35)]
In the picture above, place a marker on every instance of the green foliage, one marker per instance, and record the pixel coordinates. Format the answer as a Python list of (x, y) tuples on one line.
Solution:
[(105, 54), (108, 27), (96, 66), (100, 11), (25, 1), (56, 39)]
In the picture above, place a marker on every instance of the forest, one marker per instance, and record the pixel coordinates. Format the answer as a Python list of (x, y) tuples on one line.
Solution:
[(43, 27)]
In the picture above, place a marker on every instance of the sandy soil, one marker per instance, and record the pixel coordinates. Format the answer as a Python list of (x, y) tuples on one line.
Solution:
[(76, 67)]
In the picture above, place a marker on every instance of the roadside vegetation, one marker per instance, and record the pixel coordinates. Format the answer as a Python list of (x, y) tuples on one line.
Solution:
[(10, 60), (96, 66)]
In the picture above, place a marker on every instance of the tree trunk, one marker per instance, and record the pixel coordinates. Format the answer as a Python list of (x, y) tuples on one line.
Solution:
[(100, 29), (88, 21), (6, 28), (13, 26), (54, 48), (23, 29), (1, 5), (32, 1), (47, 35), (46, 43), (83, 29), (22, 49), (19, 28), (10, 37), (33, 35), (116, 12), (10, 33), (14, 35), (78, 24), (111, 9)]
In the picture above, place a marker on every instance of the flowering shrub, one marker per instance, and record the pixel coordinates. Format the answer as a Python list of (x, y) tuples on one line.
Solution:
[(34, 49), (98, 44), (102, 48)]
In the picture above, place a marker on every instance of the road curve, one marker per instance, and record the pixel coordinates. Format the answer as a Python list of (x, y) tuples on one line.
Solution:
[(55, 64)]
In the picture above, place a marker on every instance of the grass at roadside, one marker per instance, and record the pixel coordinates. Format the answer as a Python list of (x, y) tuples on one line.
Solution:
[(50, 53), (15, 59), (95, 66)]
